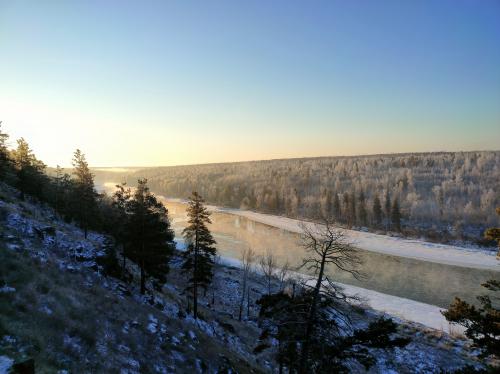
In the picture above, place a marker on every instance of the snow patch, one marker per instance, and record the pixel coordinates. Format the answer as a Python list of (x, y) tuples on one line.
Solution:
[(7, 289), (5, 364)]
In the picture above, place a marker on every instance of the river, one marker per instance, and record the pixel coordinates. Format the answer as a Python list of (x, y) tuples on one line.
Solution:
[(427, 282)]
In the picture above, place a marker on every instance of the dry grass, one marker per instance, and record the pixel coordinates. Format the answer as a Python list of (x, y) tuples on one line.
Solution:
[(51, 309)]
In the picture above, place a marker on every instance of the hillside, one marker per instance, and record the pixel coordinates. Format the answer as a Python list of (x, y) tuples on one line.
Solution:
[(62, 313), (57, 307), (442, 196)]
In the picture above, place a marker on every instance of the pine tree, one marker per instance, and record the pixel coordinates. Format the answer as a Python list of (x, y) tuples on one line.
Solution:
[(121, 202), (58, 187), (346, 202), (29, 170), (387, 210), (493, 233), (396, 215), (377, 211), (328, 204), (336, 207), (481, 323), (200, 253), (85, 196), (4, 154), (62, 188), (352, 210), (149, 236), (362, 214)]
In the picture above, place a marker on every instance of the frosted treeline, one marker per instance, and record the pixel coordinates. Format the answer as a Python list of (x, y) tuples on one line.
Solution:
[(450, 194)]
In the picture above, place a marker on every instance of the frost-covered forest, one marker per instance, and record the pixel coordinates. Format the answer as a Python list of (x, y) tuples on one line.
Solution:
[(439, 195)]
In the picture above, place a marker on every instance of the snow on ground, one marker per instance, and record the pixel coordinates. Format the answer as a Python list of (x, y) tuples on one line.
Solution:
[(406, 309), (5, 364), (416, 249), (401, 308), (395, 246)]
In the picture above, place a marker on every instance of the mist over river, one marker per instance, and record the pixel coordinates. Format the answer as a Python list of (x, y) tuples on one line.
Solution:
[(423, 281)]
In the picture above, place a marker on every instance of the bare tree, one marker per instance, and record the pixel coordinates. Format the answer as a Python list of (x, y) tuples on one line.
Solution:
[(267, 265), (247, 260), (283, 274), (326, 247)]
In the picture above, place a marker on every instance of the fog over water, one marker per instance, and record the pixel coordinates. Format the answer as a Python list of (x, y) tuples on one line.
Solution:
[(423, 281)]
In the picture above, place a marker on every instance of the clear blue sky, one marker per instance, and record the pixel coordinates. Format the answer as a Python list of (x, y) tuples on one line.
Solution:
[(150, 83)]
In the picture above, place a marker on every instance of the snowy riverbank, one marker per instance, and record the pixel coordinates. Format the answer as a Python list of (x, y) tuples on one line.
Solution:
[(401, 308), (394, 246)]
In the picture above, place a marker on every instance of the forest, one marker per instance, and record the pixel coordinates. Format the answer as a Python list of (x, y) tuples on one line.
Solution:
[(444, 196)]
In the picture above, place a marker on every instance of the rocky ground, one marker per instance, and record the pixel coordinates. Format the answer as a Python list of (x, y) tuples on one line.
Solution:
[(59, 312)]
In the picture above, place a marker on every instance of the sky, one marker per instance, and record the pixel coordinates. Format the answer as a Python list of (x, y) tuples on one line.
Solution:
[(148, 83)]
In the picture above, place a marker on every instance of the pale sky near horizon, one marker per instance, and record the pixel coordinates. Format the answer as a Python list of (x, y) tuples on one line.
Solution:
[(182, 82)]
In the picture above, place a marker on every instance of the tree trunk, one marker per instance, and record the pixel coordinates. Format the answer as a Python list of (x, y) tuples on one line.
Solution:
[(243, 296), (195, 275), (311, 318)]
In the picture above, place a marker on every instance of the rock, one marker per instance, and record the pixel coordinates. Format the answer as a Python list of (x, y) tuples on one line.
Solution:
[(228, 327), (49, 230), (24, 367)]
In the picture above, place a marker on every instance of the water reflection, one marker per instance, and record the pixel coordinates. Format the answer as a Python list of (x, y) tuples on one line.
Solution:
[(413, 279)]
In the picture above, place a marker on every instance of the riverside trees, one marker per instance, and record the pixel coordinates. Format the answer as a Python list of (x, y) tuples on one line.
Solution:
[(444, 192)]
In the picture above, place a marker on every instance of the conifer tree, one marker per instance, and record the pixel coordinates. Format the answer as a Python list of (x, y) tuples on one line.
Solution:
[(200, 253), (346, 202), (85, 196), (62, 188), (149, 236), (387, 210), (4, 154), (493, 233), (58, 183), (482, 324), (328, 203), (337, 210), (29, 170), (396, 215), (362, 214), (352, 210), (121, 202), (377, 211)]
